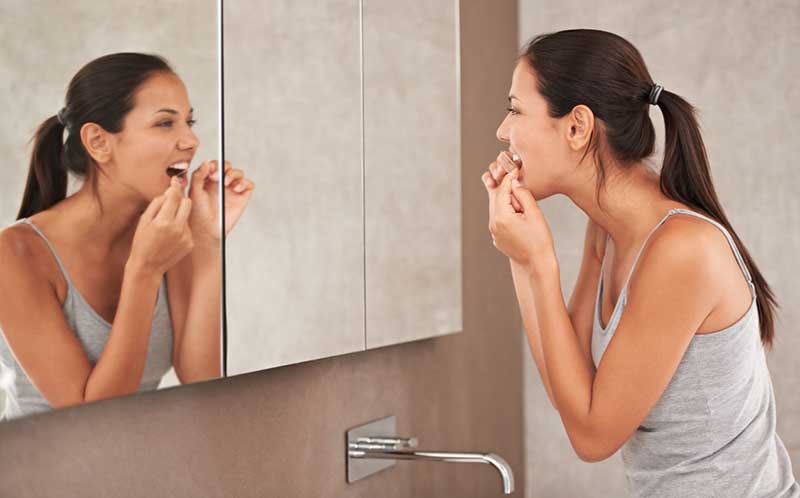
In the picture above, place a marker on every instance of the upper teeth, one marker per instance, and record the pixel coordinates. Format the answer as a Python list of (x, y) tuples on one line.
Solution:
[(180, 166)]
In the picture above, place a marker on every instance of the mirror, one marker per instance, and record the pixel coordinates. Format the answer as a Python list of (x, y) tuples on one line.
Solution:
[(294, 269), (355, 240), (100, 303)]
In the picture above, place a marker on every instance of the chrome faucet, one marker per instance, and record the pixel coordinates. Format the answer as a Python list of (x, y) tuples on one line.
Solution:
[(384, 445)]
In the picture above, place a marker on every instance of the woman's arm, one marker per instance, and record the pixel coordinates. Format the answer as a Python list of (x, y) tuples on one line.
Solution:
[(581, 306), (49, 352), (670, 293), (195, 295)]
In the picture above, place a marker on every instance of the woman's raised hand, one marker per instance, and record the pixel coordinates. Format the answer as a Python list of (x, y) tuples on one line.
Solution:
[(498, 169), (163, 237)]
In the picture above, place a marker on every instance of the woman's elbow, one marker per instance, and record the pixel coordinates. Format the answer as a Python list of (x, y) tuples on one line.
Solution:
[(592, 447)]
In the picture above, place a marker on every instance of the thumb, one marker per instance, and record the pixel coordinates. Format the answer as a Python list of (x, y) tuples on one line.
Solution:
[(523, 195)]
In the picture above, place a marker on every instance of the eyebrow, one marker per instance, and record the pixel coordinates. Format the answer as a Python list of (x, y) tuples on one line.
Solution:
[(172, 111)]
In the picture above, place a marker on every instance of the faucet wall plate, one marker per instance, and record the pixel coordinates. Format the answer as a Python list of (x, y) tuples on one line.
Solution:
[(359, 468)]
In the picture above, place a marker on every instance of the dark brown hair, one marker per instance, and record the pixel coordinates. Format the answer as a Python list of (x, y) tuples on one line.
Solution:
[(606, 73), (102, 92)]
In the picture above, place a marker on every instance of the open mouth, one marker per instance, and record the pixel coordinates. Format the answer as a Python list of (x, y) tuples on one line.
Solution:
[(178, 169)]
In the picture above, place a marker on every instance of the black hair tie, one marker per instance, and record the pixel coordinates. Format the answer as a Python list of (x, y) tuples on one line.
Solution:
[(655, 91)]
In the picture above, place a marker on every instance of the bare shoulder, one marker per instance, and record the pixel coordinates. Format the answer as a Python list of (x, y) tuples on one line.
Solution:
[(684, 249), (23, 255), (17, 246), (22, 261)]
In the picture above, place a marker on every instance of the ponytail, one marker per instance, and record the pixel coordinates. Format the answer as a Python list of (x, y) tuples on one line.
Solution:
[(686, 177), (47, 178)]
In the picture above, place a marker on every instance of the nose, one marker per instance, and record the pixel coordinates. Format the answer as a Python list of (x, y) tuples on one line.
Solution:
[(188, 140), (502, 131)]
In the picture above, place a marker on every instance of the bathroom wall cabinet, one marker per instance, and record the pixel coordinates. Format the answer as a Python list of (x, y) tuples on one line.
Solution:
[(345, 113)]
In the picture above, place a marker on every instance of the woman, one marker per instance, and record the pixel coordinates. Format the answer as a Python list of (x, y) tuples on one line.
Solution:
[(667, 362), (105, 290)]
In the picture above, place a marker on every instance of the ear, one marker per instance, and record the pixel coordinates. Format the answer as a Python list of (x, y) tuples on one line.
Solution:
[(96, 142), (580, 125)]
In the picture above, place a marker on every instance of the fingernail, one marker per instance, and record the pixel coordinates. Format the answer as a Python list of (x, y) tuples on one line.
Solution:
[(238, 188), (228, 180)]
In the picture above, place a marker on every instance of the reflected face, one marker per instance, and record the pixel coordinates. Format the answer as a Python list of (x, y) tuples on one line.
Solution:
[(533, 135), (157, 135)]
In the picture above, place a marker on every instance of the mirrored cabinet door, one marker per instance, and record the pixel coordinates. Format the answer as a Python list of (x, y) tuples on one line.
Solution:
[(412, 170), (295, 265)]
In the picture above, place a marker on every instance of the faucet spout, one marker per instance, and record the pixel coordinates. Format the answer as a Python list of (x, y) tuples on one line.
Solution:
[(375, 446), (441, 456)]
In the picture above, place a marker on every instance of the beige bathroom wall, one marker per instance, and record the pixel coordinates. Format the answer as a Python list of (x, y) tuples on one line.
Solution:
[(43, 43), (281, 432), (736, 61)]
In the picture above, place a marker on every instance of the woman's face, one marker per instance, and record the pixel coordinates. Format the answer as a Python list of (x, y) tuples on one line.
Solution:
[(533, 135), (156, 134)]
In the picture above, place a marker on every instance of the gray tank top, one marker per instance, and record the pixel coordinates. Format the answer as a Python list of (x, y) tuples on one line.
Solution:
[(712, 432), (23, 398)]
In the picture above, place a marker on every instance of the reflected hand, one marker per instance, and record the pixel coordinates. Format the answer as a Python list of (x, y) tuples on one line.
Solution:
[(205, 197)]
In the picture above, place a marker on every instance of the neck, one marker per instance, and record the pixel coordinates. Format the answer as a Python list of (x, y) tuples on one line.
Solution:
[(632, 203), (108, 231)]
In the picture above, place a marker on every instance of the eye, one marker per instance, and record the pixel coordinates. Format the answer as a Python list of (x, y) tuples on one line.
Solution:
[(513, 111), (164, 124), (191, 122)]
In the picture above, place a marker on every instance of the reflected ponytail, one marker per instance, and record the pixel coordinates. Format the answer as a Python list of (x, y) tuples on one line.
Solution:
[(607, 73), (47, 179)]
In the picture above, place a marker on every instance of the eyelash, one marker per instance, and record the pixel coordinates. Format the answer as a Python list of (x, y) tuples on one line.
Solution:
[(162, 124), (512, 111)]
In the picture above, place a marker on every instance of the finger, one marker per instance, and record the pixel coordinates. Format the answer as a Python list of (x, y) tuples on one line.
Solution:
[(523, 195), (184, 209), (233, 175), (505, 185), (200, 174), (243, 186), (488, 182), (502, 200), (173, 196), (212, 168), (497, 172), (153, 208), (515, 203), (506, 162)]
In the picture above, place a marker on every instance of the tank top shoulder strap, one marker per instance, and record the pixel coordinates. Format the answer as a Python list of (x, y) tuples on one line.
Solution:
[(641, 249), (50, 246), (730, 240)]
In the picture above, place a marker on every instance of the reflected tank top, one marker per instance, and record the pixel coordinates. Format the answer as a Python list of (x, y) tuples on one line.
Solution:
[(21, 395)]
